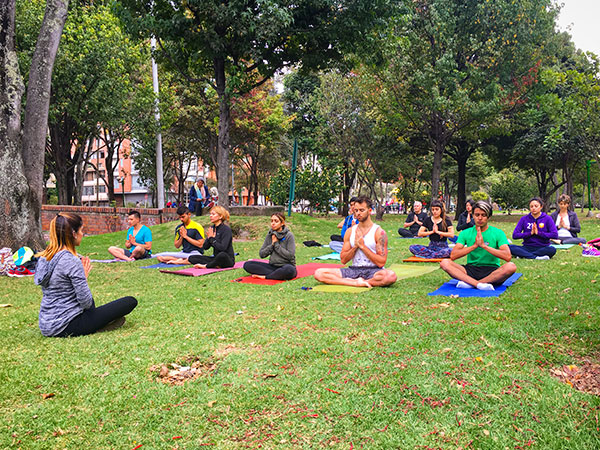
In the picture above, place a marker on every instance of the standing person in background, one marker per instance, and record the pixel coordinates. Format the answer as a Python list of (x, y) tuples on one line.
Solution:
[(414, 221), (439, 229), (567, 222), (465, 219), (280, 246), (199, 196), (139, 240), (67, 307), (536, 229)]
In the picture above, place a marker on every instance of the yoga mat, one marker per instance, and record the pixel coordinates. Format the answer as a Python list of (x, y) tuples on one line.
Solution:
[(193, 272), (449, 288), (562, 246), (402, 272), (163, 266), (334, 256), (106, 260), (305, 270), (425, 260)]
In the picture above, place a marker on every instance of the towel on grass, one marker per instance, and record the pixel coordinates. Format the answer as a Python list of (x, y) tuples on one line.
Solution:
[(163, 265), (304, 270), (333, 256), (425, 260), (562, 246), (402, 272), (449, 288)]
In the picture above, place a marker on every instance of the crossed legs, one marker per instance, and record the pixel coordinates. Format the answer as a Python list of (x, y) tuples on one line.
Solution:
[(119, 253), (458, 272), (383, 277)]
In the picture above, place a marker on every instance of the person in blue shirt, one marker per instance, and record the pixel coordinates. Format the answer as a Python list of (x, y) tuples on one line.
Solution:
[(199, 196), (138, 244), (337, 240)]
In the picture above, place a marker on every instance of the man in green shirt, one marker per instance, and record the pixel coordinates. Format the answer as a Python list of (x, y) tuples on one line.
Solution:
[(484, 247)]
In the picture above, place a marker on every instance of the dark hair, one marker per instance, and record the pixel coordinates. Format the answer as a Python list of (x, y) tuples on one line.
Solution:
[(135, 213), (182, 210), (564, 198), (353, 199), (439, 204), (471, 202), (364, 199), (484, 206), (62, 230), (537, 199)]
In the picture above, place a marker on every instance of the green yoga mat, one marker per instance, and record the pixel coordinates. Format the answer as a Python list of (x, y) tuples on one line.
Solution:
[(332, 256), (402, 271)]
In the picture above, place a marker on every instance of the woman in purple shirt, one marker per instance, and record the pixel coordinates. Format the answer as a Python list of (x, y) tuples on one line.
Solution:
[(536, 229)]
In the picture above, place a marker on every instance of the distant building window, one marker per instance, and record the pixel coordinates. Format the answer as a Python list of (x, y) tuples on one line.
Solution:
[(88, 190), (102, 189)]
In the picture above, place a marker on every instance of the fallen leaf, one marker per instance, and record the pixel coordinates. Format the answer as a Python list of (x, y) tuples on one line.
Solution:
[(46, 396), (567, 289), (5, 305), (211, 403), (319, 317), (486, 432), (479, 359), (279, 308)]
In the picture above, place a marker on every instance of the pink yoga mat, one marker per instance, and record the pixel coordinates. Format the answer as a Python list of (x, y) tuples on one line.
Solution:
[(193, 272), (305, 270)]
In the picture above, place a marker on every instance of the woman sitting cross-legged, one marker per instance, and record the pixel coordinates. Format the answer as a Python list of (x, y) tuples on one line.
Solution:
[(566, 222), (536, 229), (220, 238), (439, 228), (281, 246), (68, 307)]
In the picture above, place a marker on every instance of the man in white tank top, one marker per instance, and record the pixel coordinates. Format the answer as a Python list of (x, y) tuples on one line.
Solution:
[(366, 245)]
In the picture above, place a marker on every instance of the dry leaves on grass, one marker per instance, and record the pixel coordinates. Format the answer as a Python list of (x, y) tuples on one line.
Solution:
[(584, 378)]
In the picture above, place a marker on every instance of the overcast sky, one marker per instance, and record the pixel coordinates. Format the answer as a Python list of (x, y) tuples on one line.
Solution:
[(581, 18)]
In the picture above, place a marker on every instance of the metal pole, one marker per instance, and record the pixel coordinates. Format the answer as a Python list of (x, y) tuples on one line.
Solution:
[(160, 188), (588, 165), (293, 177)]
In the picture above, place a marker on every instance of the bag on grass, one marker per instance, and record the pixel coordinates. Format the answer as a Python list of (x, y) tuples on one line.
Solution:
[(6, 260)]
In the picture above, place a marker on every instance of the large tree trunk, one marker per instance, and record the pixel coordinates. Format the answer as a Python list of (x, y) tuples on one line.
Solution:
[(223, 142), (22, 161)]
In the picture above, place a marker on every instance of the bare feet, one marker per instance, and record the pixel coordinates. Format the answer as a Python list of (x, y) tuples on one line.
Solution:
[(262, 277), (178, 261), (361, 282), (199, 266)]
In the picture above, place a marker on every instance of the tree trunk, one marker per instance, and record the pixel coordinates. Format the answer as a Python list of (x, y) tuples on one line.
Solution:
[(21, 198), (223, 142)]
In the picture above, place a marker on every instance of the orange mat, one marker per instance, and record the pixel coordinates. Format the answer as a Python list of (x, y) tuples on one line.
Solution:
[(425, 260)]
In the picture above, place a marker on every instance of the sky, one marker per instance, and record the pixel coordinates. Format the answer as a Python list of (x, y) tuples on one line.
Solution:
[(582, 16)]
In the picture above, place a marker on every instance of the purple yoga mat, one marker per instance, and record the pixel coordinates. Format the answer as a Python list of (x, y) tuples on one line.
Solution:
[(193, 272)]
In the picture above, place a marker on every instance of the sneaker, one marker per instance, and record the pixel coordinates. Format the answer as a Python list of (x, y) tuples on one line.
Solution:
[(543, 258), (19, 271), (589, 251)]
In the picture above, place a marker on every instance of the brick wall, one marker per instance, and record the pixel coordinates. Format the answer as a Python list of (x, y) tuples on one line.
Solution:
[(107, 220)]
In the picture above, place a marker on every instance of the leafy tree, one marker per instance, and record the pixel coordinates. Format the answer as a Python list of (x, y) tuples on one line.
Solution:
[(279, 186), (451, 66), (227, 43), (22, 143), (510, 189)]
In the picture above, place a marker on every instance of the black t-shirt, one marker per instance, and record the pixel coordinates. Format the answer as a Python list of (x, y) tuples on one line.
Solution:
[(428, 223), (414, 228)]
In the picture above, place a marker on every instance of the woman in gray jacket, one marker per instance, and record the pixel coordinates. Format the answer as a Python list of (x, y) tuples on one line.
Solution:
[(280, 245), (567, 222), (68, 307)]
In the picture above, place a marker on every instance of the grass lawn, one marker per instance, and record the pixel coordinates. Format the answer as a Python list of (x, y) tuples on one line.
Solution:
[(290, 368)]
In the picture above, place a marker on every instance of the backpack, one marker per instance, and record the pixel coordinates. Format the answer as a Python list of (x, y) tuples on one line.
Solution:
[(6, 260)]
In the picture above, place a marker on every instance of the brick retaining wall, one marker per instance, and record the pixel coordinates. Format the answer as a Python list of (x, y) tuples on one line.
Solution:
[(98, 220)]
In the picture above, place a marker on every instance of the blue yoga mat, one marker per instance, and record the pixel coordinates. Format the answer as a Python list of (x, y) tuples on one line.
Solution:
[(449, 288), (163, 266)]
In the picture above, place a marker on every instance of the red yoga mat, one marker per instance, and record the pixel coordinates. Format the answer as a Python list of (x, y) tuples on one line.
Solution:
[(305, 270)]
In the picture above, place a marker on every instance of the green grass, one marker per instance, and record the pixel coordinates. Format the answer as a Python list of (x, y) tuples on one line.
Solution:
[(388, 368)]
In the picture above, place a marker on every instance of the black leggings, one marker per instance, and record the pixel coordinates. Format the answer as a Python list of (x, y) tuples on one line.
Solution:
[(221, 260), (285, 272), (91, 320)]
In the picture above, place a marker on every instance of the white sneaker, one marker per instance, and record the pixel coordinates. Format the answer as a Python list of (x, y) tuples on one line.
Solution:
[(545, 257), (463, 285), (485, 287)]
